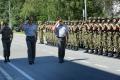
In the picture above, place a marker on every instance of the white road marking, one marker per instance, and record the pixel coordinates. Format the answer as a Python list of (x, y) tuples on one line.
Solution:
[(22, 72), (70, 58), (8, 77), (19, 70), (118, 70), (85, 62), (102, 66)]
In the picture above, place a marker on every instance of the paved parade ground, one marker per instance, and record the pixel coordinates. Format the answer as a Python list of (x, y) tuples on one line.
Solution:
[(77, 66)]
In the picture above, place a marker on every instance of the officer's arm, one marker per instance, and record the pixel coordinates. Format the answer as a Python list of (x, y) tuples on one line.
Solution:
[(54, 27), (11, 34), (1, 31)]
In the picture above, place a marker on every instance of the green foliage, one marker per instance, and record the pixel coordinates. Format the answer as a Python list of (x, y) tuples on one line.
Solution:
[(50, 9)]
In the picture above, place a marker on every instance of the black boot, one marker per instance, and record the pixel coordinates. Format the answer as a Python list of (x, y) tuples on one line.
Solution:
[(96, 51), (5, 59), (30, 62), (8, 60), (91, 51), (105, 53), (61, 60), (76, 48), (110, 54), (71, 47), (100, 52), (116, 55), (87, 50), (81, 46)]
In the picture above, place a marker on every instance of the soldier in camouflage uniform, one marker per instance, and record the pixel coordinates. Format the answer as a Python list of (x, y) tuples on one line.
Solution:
[(110, 38), (80, 25), (100, 37), (116, 39), (105, 35), (52, 35), (76, 35), (41, 32), (85, 30), (118, 51), (55, 38), (90, 35), (95, 37), (69, 40), (72, 35), (48, 34)]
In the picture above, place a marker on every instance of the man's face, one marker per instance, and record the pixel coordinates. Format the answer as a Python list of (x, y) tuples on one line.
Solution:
[(60, 22), (114, 20), (98, 21), (119, 21), (103, 21), (108, 20), (30, 19)]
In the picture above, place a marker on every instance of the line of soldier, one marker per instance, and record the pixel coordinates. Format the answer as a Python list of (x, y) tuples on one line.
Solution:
[(96, 35)]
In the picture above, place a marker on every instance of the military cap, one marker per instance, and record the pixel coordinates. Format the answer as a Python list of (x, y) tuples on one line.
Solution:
[(89, 18), (94, 20), (98, 19)]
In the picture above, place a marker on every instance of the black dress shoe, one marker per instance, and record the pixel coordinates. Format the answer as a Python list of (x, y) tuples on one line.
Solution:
[(8, 60), (96, 51), (30, 62), (100, 52), (105, 53), (61, 61), (86, 51), (33, 62), (110, 54), (5, 61), (116, 55), (91, 51)]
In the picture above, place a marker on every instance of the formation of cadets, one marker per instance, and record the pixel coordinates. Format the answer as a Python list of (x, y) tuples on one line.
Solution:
[(96, 35)]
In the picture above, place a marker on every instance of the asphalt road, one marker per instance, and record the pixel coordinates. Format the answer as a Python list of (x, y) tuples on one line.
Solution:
[(77, 66)]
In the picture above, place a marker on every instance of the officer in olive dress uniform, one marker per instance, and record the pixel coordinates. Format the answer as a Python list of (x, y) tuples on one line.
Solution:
[(7, 36)]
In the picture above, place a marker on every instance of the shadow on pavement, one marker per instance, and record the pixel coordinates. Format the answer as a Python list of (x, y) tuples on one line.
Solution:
[(48, 68)]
